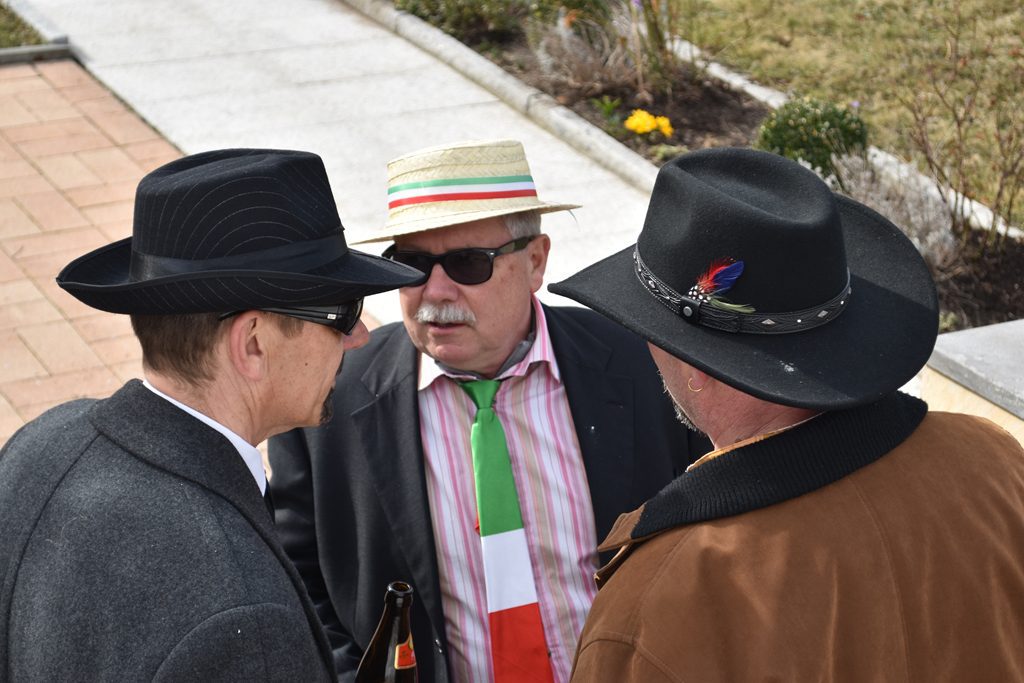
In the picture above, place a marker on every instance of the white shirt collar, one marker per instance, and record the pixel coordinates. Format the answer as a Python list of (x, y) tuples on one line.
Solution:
[(250, 454)]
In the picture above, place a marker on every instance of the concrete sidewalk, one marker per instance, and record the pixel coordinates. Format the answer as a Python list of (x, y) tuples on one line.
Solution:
[(193, 75)]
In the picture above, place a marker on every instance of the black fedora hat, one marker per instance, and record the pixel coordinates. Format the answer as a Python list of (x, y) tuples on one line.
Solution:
[(749, 268), (227, 230)]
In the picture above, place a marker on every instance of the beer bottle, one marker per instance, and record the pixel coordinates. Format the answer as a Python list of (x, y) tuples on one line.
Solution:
[(389, 658)]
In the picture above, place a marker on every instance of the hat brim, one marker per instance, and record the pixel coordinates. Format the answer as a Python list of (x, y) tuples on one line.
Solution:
[(101, 279), (397, 229), (880, 341)]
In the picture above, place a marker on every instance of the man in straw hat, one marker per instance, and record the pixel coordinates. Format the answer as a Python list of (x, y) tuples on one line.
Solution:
[(135, 542), (839, 531), (397, 485)]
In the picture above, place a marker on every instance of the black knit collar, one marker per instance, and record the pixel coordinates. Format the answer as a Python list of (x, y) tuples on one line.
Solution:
[(787, 465)]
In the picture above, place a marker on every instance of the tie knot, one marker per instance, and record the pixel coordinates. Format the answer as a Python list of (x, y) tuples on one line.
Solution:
[(482, 391)]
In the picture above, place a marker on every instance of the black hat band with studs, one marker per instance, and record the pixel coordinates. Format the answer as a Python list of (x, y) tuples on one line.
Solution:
[(703, 305)]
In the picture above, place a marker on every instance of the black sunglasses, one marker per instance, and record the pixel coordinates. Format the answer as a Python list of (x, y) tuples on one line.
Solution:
[(471, 266), (342, 317)]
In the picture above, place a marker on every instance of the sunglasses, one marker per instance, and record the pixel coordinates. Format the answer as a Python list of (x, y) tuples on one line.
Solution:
[(471, 266), (341, 317)]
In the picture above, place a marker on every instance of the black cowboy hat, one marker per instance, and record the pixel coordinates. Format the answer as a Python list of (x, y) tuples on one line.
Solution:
[(227, 230), (749, 268)]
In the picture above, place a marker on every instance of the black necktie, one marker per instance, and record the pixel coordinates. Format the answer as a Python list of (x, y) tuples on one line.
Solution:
[(269, 501)]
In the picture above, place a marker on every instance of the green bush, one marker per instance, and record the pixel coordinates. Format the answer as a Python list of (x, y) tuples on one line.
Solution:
[(813, 131)]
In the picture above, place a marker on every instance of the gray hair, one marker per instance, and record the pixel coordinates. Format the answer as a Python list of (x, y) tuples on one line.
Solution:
[(523, 224)]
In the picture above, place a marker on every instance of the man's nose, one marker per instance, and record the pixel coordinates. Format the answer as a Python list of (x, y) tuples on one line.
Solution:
[(439, 287)]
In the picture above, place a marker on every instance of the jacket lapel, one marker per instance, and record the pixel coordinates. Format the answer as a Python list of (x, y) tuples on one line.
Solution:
[(602, 412), (170, 439), (389, 431)]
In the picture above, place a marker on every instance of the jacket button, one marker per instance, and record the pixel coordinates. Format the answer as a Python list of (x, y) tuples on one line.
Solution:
[(437, 644)]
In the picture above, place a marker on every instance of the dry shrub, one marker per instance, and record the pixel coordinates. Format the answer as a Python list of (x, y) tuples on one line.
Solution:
[(580, 55), (905, 198)]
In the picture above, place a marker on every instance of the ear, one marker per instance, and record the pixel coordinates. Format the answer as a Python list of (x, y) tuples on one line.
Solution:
[(246, 344), (537, 251)]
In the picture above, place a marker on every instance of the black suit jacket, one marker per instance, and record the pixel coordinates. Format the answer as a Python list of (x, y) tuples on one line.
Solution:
[(135, 546), (351, 498)]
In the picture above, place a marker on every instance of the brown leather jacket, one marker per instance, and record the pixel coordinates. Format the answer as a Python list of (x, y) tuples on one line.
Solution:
[(876, 544)]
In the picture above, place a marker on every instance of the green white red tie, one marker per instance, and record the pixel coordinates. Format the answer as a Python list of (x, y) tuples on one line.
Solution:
[(519, 651)]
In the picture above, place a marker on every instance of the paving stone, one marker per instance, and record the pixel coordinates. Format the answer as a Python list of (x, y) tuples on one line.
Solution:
[(14, 113), (21, 185), (116, 230), (51, 211), (123, 127), (118, 350), (17, 362), (27, 312), (58, 347), (77, 240), (9, 270), (111, 164), (12, 71), (113, 212), (18, 291), (103, 326), (63, 73), (10, 421), (17, 86), (151, 149), (63, 145), (76, 94), (14, 221), (7, 151), (70, 307), (52, 390), (104, 193), (78, 125), (128, 370), (47, 265), (66, 171), (47, 105), (15, 168)]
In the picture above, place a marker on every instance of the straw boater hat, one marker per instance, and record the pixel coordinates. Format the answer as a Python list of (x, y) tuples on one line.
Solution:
[(451, 184), (229, 230), (749, 268)]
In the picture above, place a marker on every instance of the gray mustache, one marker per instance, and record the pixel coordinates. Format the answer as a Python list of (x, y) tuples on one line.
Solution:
[(444, 314)]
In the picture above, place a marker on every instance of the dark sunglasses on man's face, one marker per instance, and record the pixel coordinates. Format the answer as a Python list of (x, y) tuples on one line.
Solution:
[(341, 317), (470, 266)]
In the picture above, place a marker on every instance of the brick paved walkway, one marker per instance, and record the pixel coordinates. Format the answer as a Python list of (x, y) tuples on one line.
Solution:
[(71, 155)]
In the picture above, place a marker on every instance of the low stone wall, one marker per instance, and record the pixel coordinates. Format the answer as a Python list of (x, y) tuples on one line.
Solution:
[(979, 371)]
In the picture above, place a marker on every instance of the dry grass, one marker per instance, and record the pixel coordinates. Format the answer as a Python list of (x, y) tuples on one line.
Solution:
[(872, 52), (14, 32)]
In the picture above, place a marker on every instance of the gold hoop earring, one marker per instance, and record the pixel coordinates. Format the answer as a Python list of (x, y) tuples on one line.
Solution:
[(689, 386)]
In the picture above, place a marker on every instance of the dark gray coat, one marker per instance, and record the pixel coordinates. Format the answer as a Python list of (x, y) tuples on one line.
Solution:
[(135, 545)]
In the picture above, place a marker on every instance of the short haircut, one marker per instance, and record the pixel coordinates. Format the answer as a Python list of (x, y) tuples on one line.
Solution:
[(181, 345), (523, 224)]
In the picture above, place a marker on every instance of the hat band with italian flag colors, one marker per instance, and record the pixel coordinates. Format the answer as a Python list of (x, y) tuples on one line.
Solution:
[(458, 183), (457, 189)]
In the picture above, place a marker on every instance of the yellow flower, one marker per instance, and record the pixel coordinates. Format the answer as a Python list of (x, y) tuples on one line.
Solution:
[(665, 126), (641, 122)]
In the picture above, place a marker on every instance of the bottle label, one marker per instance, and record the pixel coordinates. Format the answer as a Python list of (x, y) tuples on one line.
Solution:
[(405, 658)]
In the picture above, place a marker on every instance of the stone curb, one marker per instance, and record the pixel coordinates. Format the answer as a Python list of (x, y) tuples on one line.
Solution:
[(539, 107), (58, 49)]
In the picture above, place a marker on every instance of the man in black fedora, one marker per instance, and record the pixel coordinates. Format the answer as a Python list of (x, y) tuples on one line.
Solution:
[(135, 542), (838, 531)]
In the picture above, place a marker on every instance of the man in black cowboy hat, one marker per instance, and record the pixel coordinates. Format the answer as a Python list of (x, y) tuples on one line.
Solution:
[(135, 543), (838, 530)]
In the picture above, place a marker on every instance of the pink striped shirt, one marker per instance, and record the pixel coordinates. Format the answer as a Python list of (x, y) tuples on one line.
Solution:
[(553, 496)]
